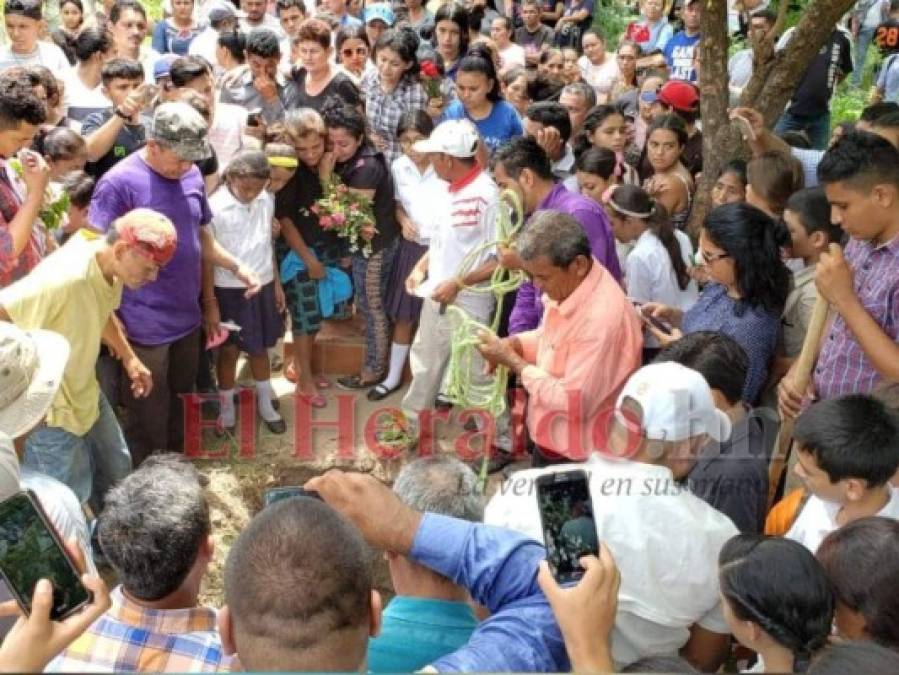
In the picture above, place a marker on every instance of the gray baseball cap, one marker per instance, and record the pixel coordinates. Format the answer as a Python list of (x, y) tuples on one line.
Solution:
[(182, 129)]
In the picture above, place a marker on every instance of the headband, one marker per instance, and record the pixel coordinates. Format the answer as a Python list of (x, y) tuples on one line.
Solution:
[(283, 162), (625, 212)]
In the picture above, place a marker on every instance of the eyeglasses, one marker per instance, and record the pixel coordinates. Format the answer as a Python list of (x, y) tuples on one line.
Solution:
[(358, 51), (713, 257)]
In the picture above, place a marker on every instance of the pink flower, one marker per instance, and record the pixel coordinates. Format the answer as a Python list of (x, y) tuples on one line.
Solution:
[(339, 219), (326, 222)]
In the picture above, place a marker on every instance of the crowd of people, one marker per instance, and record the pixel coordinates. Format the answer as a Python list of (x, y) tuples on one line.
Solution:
[(180, 192)]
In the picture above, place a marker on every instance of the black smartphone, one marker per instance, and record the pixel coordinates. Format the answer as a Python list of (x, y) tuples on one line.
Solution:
[(656, 323), (273, 495), (254, 117), (569, 526), (30, 550)]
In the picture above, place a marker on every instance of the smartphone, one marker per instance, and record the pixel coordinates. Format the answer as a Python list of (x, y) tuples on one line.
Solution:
[(569, 526), (273, 495), (31, 550), (254, 117), (651, 320)]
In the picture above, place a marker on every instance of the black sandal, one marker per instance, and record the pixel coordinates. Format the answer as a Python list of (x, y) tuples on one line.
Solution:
[(352, 382), (379, 392)]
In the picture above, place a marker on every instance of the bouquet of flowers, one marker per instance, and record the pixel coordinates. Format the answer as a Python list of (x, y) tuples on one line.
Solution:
[(347, 214), (55, 204), (431, 79)]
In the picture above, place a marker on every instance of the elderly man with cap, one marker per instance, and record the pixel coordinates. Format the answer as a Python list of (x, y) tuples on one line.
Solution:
[(162, 319), (464, 223), (74, 293), (665, 540)]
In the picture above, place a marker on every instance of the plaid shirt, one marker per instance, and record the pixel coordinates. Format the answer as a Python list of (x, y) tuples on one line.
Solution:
[(14, 267), (843, 367), (385, 109), (133, 638)]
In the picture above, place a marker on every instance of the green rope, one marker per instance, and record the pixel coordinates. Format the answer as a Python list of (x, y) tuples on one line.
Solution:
[(461, 388)]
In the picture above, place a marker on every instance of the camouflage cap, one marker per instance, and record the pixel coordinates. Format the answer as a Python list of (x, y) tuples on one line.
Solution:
[(182, 129)]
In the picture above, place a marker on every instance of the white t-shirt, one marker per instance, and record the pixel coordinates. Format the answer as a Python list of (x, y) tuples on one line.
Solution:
[(45, 54), (818, 518), (650, 275), (417, 193), (466, 220), (205, 45), (602, 77), (80, 101), (245, 231), (511, 57), (226, 133), (665, 541)]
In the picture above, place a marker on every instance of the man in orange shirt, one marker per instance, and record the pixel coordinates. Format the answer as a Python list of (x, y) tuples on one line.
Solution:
[(575, 363)]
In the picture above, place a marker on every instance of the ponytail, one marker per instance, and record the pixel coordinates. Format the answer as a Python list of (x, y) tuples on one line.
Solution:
[(634, 201)]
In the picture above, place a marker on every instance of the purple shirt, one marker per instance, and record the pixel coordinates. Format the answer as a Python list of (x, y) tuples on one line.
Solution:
[(843, 367), (528, 309), (169, 308)]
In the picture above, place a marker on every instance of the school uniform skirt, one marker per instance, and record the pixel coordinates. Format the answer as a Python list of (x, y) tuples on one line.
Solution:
[(400, 305), (260, 322)]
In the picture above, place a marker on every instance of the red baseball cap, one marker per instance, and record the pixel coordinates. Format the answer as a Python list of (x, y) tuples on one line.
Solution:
[(679, 95)]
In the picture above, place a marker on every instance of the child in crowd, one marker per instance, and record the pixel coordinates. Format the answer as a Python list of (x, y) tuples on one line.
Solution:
[(113, 134), (848, 450), (242, 214), (772, 178), (283, 163), (80, 188), (777, 601), (417, 187), (64, 151), (731, 184), (606, 127), (595, 170)]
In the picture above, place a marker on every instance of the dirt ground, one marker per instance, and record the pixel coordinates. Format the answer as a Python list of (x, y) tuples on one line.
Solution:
[(236, 484)]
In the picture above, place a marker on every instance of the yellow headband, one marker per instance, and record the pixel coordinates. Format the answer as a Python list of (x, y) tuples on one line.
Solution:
[(284, 162)]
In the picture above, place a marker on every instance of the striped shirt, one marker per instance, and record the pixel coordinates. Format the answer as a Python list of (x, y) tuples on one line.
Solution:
[(133, 638), (384, 109), (843, 367)]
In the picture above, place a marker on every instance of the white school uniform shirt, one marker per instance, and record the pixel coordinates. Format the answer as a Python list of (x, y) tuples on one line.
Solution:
[(245, 231), (818, 518), (602, 77), (650, 274), (466, 219), (81, 101), (417, 193), (665, 541)]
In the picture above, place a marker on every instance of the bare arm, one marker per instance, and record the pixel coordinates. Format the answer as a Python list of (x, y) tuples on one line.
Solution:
[(113, 336), (101, 141), (35, 175), (706, 650)]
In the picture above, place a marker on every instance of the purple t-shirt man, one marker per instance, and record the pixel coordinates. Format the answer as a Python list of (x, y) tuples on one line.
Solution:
[(167, 309), (528, 309)]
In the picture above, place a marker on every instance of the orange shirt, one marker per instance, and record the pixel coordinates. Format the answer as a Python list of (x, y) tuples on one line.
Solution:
[(581, 354)]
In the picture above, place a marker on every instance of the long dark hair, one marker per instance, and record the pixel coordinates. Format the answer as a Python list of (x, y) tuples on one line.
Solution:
[(636, 200), (597, 161), (480, 60), (404, 44), (672, 123), (753, 240), (777, 584), (594, 119), (453, 11)]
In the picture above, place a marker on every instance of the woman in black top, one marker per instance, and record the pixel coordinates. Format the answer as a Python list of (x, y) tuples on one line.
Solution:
[(364, 170), (318, 79)]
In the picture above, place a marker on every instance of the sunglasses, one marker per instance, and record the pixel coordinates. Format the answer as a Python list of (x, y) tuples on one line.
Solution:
[(358, 51)]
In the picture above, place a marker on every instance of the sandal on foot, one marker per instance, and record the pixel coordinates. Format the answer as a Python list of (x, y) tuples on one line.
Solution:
[(356, 382), (314, 400)]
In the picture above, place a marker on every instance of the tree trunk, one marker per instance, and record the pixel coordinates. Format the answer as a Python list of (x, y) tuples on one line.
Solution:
[(775, 76)]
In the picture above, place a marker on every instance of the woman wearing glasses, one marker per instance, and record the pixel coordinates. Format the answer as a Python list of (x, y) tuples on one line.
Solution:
[(353, 51), (741, 248), (318, 79)]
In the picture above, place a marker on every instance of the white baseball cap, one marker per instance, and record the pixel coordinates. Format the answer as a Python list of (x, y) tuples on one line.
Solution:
[(676, 402), (31, 369), (456, 138)]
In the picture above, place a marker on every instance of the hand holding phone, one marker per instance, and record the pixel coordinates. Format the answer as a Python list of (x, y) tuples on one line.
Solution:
[(254, 118), (647, 318), (30, 550), (273, 495), (569, 527)]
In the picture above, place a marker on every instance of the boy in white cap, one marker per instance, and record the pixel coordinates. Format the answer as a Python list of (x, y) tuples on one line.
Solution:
[(466, 221), (665, 540), (74, 293)]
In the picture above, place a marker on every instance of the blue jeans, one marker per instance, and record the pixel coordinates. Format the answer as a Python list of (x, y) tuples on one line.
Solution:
[(89, 464), (817, 127), (862, 42), (370, 277)]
